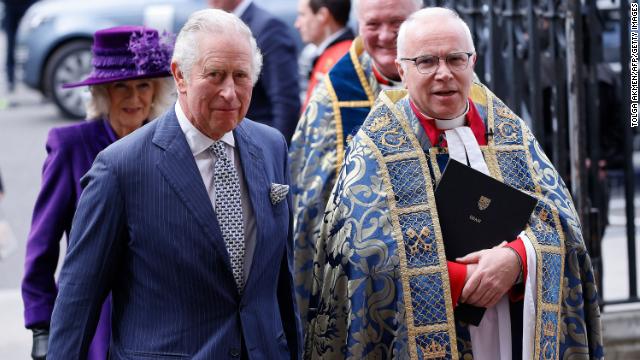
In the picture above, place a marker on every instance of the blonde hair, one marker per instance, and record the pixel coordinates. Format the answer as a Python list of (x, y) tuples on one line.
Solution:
[(163, 97)]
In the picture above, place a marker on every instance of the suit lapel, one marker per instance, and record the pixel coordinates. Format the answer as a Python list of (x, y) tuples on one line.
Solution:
[(252, 162), (179, 168)]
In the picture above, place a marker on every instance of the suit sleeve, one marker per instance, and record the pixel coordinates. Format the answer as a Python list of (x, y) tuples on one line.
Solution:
[(52, 216), (286, 294), (280, 76), (96, 241)]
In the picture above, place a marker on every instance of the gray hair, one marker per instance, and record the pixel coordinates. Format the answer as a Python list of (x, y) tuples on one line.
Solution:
[(215, 22), (356, 6), (424, 16), (163, 97)]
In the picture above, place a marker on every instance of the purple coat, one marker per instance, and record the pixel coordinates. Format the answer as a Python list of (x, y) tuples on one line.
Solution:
[(71, 151)]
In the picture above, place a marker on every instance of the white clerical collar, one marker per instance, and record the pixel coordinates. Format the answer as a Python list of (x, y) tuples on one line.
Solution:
[(325, 44), (241, 8), (458, 121), (198, 142)]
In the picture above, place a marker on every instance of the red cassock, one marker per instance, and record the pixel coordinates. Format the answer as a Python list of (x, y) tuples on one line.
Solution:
[(324, 63)]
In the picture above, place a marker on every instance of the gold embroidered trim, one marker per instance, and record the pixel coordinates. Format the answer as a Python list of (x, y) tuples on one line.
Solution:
[(550, 249), (509, 147), (478, 95), (444, 273), (379, 123), (494, 169), (432, 328), (548, 307), (427, 270), (490, 154), (357, 48), (433, 152), (401, 156), (492, 163), (557, 308), (413, 209), (354, 104), (337, 116), (397, 235), (433, 351)]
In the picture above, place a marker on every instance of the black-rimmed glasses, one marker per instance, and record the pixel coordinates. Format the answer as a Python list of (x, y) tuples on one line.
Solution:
[(426, 64)]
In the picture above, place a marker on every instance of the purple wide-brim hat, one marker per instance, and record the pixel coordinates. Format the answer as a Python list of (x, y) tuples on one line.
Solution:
[(128, 53)]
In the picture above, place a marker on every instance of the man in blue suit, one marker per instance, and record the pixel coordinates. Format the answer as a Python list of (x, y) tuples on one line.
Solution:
[(275, 100), (187, 222)]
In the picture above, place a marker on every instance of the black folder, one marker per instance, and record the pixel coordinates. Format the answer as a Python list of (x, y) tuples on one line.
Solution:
[(477, 212)]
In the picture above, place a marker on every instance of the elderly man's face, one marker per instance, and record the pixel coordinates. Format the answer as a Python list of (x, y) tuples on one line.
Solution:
[(217, 94), (443, 93), (379, 21)]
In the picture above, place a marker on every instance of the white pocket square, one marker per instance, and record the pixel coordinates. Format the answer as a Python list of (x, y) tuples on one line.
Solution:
[(278, 193)]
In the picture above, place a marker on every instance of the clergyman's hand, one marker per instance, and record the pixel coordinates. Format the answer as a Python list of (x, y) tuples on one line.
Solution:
[(40, 344), (471, 268), (496, 272)]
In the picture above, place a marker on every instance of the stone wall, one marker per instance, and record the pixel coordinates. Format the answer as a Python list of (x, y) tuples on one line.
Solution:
[(621, 332)]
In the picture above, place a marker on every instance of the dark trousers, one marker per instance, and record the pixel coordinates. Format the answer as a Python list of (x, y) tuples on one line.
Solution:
[(13, 12), (516, 309)]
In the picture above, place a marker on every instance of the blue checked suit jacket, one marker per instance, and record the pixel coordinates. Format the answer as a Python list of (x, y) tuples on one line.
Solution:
[(145, 230)]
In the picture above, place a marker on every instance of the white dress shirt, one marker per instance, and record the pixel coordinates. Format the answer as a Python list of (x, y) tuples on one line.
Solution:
[(326, 42), (205, 160)]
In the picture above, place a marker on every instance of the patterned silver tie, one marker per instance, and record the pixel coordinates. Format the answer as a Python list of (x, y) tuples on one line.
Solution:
[(229, 209)]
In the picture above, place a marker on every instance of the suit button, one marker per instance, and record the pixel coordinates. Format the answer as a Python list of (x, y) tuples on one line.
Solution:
[(234, 353)]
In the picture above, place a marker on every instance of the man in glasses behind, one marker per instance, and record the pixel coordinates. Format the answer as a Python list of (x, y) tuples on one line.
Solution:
[(383, 288)]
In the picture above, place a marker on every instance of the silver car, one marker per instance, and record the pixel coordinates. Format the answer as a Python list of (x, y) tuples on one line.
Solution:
[(54, 38)]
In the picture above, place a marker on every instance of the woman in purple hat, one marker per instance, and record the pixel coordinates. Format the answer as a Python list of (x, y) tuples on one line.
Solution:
[(129, 85)]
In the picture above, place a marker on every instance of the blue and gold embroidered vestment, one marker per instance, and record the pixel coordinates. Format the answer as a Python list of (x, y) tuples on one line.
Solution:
[(336, 109), (380, 286)]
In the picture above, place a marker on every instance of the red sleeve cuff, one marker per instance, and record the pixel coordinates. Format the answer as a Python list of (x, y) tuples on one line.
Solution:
[(517, 292), (457, 276)]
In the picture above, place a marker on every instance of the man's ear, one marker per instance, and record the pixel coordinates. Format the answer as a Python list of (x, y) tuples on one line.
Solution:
[(400, 69), (324, 15), (178, 76)]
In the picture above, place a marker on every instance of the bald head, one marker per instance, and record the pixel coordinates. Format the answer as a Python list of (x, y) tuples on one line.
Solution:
[(432, 20), (436, 58)]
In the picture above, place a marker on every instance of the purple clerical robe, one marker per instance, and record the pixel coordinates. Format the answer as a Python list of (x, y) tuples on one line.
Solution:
[(71, 151)]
